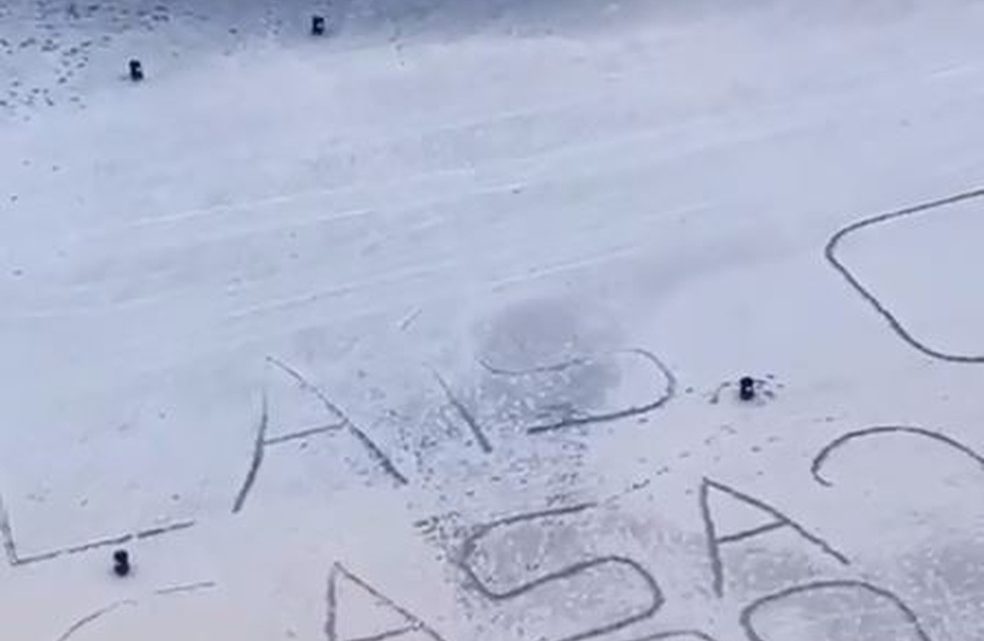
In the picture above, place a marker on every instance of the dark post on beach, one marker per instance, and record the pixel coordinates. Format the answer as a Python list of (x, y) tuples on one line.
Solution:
[(136, 71), (121, 563), (746, 388)]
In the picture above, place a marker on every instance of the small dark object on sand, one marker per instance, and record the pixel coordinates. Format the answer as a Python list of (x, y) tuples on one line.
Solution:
[(136, 71), (317, 25), (746, 388), (121, 563)]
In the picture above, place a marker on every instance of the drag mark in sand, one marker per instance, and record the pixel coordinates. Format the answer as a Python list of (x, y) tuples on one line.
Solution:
[(15, 559), (470, 546), (184, 589), (94, 616), (665, 395), (374, 450), (678, 634), (906, 613), (830, 251), (257, 460), (821, 458), (465, 414), (779, 520), (343, 422), (411, 623)]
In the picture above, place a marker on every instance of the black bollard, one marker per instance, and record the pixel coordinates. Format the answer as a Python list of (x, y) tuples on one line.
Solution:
[(317, 25), (136, 71), (121, 563), (746, 388)]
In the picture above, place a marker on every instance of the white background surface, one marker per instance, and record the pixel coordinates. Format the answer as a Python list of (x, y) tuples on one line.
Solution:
[(430, 190)]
